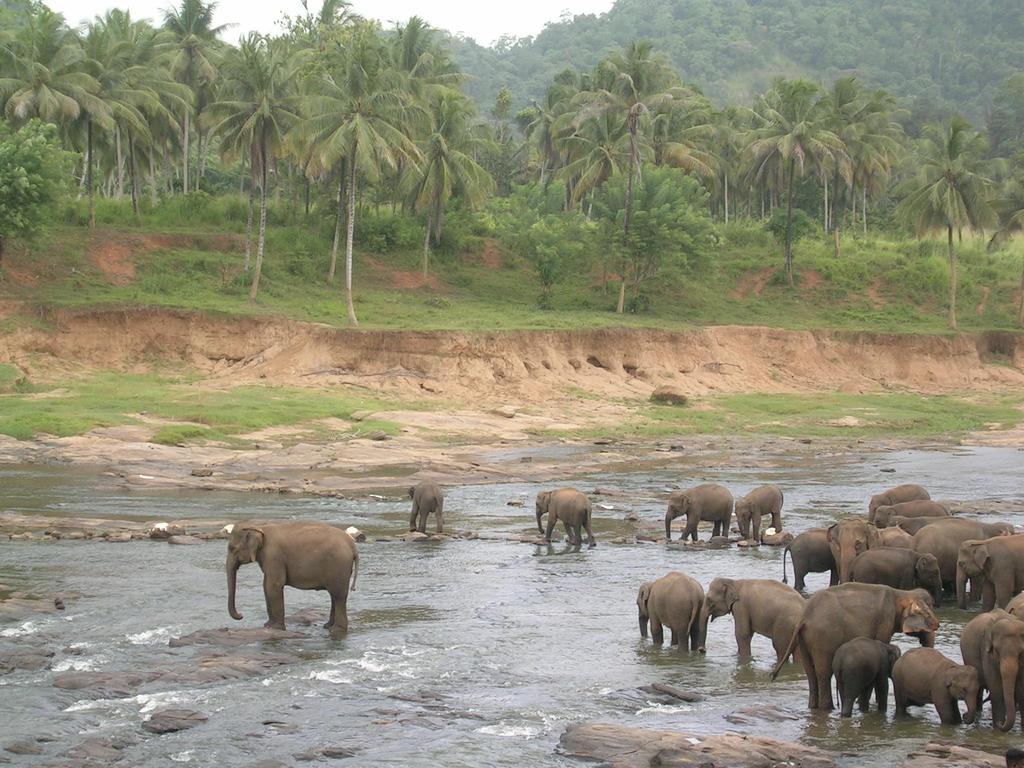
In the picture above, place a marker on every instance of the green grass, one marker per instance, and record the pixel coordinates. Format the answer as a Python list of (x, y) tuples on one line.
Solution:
[(887, 415), (110, 399), (879, 283)]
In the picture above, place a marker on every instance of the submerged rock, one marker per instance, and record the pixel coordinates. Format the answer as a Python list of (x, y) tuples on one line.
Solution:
[(173, 720), (32, 661), (232, 638), (939, 755), (622, 747), (101, 685), (184, 540)]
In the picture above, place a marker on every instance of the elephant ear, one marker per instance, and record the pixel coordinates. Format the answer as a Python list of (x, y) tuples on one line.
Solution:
[(828, 533), (643, 595), (981, 556), (874, 538), (412, 491), (729, 592), (252, 542)]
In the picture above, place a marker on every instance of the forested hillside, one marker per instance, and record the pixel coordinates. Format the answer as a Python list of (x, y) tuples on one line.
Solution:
[(944, 55)]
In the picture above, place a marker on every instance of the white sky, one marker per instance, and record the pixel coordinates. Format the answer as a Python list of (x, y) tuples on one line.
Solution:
[(483, 21)]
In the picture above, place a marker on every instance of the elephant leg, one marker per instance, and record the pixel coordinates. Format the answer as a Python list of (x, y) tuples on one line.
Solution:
[(755, 527), (743, 631), (882, 692), (807, 661), (798, 578), (833, 579), (1004, 590), (339, 612), (421, 524), (823, 672), (777, 521), (591, 541), (273, 593), (552, 519), (716, 529), (695, 635), (988, 595), (675, 637), (570, 532), (330, 619), (657, 632), (864, 700), (900, 698), (412, 518), (439, 514)]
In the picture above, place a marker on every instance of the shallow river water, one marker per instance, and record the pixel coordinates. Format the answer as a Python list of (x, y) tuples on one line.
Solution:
[(517, 640)]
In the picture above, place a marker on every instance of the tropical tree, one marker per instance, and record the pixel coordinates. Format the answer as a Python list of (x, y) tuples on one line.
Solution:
[(362, 113), (791, 135), (1010, 208), (194, 62), (952, 189), (447, 167), (254, 117), (632, 84)]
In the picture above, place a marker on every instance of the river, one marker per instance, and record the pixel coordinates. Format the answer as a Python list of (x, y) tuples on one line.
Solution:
[(499, 644)]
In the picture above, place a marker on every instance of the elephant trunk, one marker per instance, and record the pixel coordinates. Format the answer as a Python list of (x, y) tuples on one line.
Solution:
[(972, 701), (540, 514), (643, 624), (961, 588), (1008, 669), (232, 571), (704, 619), (845, 567)]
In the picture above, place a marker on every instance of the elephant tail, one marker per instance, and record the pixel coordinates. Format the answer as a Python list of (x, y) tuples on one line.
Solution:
[(789, 650), (355, 571), (785, 579)]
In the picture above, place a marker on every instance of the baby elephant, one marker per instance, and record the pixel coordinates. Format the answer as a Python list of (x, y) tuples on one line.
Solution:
[(924, 676), (899, 568), (763, 502), (885, 514), (863, 665), (572, 508), (426, 497), (810, 553), (674, 601)]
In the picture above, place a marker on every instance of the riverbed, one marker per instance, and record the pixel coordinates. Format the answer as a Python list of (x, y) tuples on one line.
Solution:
[(460, 652)]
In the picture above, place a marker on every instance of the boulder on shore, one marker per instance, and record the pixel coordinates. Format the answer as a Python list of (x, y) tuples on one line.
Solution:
[(669, 395), (622, 747)]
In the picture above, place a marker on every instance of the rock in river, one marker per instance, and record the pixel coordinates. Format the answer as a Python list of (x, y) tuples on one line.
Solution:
[(232, 638), (171, 720), (621, 747)]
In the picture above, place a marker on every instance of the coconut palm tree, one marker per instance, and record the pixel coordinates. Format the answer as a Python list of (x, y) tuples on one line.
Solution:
[(632, 84), (448, 167), (790, 135), (194, 62), (1010, 208), (362, 114), (952, 190), (254, 115)]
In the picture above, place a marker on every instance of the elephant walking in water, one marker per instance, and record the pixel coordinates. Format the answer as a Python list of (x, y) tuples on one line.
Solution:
[(426, 497), (300, 555), (674, 601), (709, 502), (571, 507)]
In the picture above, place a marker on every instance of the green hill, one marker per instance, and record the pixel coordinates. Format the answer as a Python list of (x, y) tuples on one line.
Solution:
[(931, 53)]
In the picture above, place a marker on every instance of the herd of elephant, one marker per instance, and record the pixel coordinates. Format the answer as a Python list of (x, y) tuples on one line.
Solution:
[(888, 572)]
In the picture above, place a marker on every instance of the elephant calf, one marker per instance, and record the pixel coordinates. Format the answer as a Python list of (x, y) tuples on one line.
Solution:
[(997, 564), (427, 498), (674, 601), (897, 495), (709, 502), (763, 502), (758, 607), (924, 676), (898, 568), (863, 665), (300, 555), (810, 553), (571, 507), (908, 509)]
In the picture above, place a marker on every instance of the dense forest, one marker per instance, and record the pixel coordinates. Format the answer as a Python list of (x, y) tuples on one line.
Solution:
[(936, 56), (624, 170)]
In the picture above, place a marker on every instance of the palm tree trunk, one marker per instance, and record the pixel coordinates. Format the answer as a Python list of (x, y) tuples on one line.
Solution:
[(864, 208), (352, 321), (337, 226), (625, 225), (2, 244), (119, 188), (263, 224), (248, 226), (307, 194), (133, 177), (184, 163), (789, 224), (426, 247), (826, 205), (88, 175), (952, 277), (1020, 306), (727, 197)]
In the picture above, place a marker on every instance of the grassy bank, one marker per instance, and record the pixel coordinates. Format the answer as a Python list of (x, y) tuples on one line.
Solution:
[(192, 259), (179, 410)]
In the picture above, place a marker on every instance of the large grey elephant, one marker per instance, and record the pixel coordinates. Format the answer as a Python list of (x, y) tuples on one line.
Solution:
[(943, 538), (899, 568), (709, 502), (906, 492), (760, 503), (835, 615), (674, 601), (1002, 651), (427, 497), (571, 507), (849, 538), (758, 607), (973, 647), (810, 553), (925, 676), (300, 555), (997, 564), (907, 510)]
